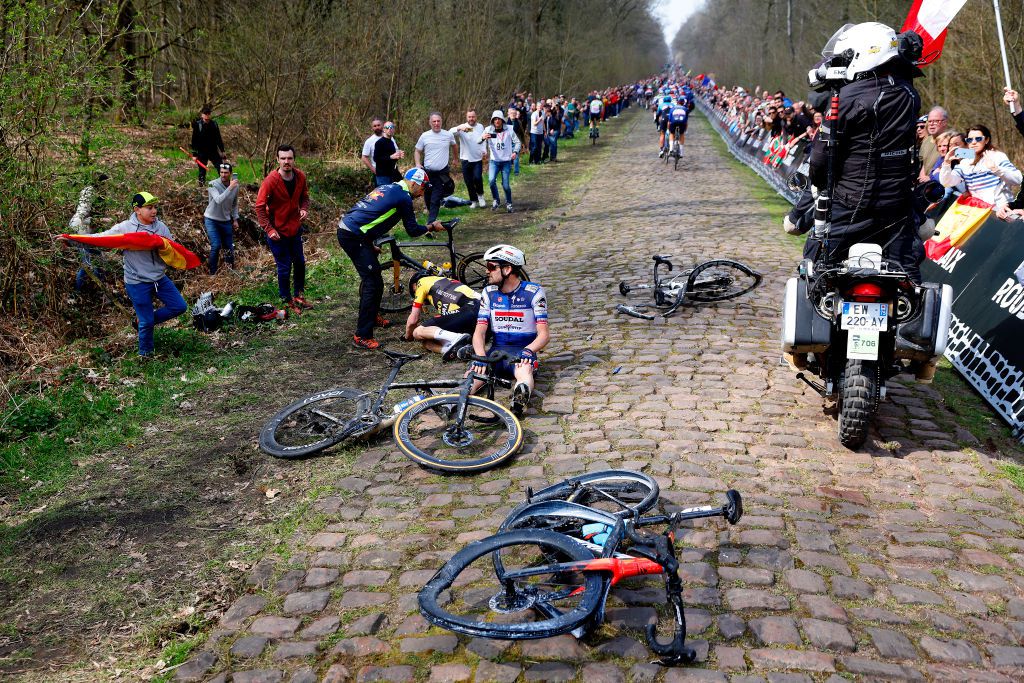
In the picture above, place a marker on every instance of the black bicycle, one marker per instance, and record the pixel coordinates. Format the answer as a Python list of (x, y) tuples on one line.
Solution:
[(674, 153), (707, 282), (399, 268), (441, 427), (550, 569)]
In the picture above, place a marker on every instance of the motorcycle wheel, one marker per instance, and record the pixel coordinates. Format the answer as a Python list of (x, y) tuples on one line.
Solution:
[(858, 400)]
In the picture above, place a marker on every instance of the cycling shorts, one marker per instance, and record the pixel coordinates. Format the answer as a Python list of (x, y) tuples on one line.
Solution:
[(678, 128), (462, 321), (663, 124), (506, 369)]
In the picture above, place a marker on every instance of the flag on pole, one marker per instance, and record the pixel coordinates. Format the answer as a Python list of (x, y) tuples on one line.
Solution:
[(172, 253), (929, 19)]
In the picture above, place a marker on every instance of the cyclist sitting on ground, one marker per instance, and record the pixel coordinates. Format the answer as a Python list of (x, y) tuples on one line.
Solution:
[(373, 216), (517, 313), (678, 116), (456, 306)]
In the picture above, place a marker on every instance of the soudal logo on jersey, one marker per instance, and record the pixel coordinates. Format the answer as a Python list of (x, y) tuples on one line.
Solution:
[(508, 316)]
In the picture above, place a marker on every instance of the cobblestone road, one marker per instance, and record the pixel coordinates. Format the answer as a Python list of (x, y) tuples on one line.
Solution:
[(901, 562)]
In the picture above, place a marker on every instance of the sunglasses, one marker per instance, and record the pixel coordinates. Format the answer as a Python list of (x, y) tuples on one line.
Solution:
[(491, 267), (977, 139), (922, 125), (388, 126)]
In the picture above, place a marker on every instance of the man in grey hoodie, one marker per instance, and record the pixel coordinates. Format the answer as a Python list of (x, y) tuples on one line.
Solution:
[(503, 148), (221, 216), (145, 273)]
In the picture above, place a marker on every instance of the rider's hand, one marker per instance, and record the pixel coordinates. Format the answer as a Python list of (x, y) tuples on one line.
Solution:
[(273, 234), (436, 226), (790, 227), (527, 357)]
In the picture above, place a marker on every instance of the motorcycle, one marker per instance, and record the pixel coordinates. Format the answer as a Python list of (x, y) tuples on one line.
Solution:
[(857, 324)]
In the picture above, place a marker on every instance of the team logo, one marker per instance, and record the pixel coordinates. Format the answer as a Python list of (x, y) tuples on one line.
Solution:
[(375, 195), (542, 303)]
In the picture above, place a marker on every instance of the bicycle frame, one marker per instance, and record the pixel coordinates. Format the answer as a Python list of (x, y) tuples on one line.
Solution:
[(399, 258)]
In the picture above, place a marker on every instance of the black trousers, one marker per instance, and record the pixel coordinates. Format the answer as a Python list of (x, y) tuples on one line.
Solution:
[(439, 187), (473, 176), (212, 162), (371, 283), (892, 229)]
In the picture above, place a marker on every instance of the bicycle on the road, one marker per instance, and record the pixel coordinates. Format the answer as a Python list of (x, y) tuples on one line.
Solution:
[(595, 130), (551, 566), (443, 426), (674, 153), (398, 268), (707, 282)]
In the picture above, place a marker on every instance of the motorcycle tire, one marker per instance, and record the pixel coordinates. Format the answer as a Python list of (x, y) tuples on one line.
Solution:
[(858, 400)]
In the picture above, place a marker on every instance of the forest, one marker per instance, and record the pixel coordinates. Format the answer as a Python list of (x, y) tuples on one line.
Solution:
[(107, 88), (773, 43)]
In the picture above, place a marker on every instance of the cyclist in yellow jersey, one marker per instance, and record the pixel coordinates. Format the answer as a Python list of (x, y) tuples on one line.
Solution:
[(456, 307)]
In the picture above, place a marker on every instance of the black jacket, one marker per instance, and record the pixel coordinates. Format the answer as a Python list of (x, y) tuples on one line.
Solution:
[(206, 140), (876, 150), (382, 161)]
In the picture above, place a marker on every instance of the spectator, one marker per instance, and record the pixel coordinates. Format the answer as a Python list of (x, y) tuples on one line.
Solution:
[(989, 176), (536, 134), (221, 217), (145, 273), (386, 156), (471, 154), (433, 154), (371, 142), (938, 121), (572, 117), (1012, 98), (503, 148), (281, 205), (552, 126), (207, 144), (922, 132), (942, 145), (515, 122)]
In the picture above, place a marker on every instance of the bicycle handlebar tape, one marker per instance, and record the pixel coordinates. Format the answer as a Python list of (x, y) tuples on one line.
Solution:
[(629, 310)]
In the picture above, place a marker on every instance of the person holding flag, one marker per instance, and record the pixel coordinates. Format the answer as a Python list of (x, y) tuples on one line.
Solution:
[(145, 271)]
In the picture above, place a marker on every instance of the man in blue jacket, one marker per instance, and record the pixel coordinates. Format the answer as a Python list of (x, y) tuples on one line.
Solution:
[(372, 217)]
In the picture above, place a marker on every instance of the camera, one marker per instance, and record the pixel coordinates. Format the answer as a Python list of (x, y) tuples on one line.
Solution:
[(830, 71)]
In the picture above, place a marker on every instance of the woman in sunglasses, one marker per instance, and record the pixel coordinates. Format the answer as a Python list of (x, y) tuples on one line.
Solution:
[(987, 174)]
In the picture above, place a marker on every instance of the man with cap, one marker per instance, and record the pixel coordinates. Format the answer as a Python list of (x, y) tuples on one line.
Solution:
[(145, 273), (207, 144), (372, 217), (503, 148)]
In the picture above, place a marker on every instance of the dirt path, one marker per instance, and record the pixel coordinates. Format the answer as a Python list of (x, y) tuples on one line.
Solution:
[(152, 541)]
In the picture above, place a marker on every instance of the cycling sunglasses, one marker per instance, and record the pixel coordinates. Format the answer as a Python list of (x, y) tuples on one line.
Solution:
[(491, 267)]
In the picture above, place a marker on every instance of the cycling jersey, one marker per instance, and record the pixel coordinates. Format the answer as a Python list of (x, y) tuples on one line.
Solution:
[(595, 106), (513, 317), (376, 213), (679, 114), (445, 295)]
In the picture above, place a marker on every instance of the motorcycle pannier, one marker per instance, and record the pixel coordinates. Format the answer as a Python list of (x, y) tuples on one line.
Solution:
[(924, 337), (803, 330)]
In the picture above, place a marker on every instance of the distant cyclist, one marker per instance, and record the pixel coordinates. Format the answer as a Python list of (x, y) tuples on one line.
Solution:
[(456, 306), (516, 311), (665, 103), (596, 109)]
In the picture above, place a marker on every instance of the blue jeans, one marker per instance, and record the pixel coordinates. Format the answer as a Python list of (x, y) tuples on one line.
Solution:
[(515, 164), (221, 236), (141, 295), (570, 127), (503, 168), (536, 147), (552, 141), (288, 255)]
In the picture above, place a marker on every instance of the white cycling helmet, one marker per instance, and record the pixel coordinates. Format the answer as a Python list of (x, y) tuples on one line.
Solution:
[(505, 253), (872, 45)]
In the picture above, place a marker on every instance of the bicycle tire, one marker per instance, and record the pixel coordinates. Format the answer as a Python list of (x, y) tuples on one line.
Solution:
[(506, 434), (676, 164), (722, 279), (396, 297), (326, 430), (553, 547), (635, 492), (472, 271)]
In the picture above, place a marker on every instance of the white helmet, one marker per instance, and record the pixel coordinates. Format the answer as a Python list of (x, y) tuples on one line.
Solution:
[(505, 253), (871, 44)]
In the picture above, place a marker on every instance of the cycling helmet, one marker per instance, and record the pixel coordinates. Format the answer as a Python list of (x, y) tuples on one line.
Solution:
[(416, 175), (414, 280), (505, 253)]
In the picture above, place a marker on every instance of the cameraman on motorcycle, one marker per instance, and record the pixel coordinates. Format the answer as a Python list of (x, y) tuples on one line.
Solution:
[(876, 157)]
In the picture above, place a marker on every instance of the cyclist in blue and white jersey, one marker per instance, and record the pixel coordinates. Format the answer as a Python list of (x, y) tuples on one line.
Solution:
[(678, 116), (665, 103), (516, 312)]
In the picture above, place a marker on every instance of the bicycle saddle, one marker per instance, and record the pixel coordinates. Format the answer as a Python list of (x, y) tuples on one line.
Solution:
[(381, 241), (395, 355)]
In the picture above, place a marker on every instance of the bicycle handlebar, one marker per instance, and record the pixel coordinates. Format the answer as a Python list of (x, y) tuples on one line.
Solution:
[(466, 353), (381, 241)]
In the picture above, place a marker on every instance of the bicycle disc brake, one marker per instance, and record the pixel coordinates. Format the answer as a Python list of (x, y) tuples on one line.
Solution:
[(457, 437), (503, 603)]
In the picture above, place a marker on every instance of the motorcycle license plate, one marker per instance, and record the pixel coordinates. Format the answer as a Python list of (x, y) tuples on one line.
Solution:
[(860, 317)]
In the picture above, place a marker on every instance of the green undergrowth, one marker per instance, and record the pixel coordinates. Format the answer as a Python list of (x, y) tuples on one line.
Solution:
[(969, 410)]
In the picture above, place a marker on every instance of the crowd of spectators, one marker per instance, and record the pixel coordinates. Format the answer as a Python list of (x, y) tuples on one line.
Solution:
[(962, 160)]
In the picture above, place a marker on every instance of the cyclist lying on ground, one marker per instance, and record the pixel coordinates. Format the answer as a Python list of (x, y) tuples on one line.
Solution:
[(373, 216), (456, 306), (517, 313)]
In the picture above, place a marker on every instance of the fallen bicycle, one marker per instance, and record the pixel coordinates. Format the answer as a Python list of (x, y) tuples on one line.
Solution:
[(707, 282)]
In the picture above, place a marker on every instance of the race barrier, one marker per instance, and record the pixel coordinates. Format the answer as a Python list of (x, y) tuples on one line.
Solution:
[(985, 268)]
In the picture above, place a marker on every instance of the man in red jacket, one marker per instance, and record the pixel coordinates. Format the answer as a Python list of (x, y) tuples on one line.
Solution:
[(281, 206)]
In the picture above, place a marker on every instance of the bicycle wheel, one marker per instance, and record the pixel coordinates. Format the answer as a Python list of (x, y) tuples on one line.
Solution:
[(619, 493), (396, 296), (472, 271), (313, 423), (676, 155), (429, 436), (720, 279), (542, 574)]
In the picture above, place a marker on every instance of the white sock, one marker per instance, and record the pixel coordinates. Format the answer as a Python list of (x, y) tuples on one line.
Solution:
[(446, 336)]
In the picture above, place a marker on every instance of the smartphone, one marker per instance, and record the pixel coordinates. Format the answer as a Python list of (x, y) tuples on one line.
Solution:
[(234, 176), (963, 153)]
